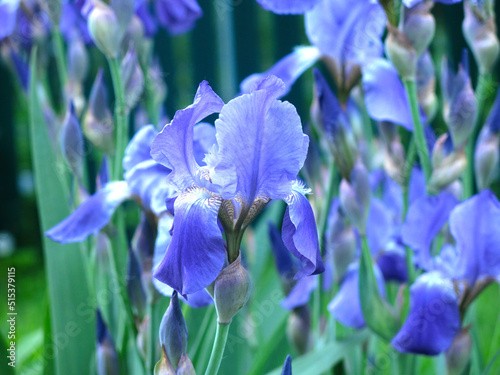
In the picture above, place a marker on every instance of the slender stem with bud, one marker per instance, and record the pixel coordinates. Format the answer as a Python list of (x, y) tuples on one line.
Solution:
[(481, 96), (218, 349), (120, 116), (418, 130)]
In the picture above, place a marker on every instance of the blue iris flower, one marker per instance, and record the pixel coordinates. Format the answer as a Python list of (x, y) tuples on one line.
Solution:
[(456, 275), (259, 151), (345, 34)]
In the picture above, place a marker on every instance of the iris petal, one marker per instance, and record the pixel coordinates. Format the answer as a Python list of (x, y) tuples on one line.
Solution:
[(434, 317), (8, 11), (139, 147), (92, 215), (173, 146), (423, 222), (196, 251), (346, 306), (300, 234), (300, 293), (288, 6), (385, 96), (474, 225), (261, 145), (288, 69)]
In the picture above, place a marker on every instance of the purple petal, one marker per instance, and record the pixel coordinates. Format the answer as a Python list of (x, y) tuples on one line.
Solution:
[(288, 69), (92, 215), (138, 149), (339, 30), (173, 147), (474, 225), (8, 15), (282, 257), (417, 185), (196, 251), (163, 238), (446, 261), (178, 16), (72, 141), (300, 293), (288, 6), (392, 263), (379, 227), (346, 306), (385, 95), (261, 145), (300, 234), (147, 19), (434, 317), (204, 140), (423, 222), (412, 3), (287, 366)]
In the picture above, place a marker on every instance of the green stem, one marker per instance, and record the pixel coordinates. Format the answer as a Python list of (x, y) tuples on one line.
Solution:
[(481, 96), (60, 61), (120, 116), (418, 130), (217, 349)]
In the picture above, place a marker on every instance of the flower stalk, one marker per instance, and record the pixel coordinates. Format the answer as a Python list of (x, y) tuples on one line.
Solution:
[(218, 349)]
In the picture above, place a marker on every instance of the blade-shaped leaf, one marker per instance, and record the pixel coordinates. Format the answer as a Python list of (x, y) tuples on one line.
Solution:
[(72, 318)]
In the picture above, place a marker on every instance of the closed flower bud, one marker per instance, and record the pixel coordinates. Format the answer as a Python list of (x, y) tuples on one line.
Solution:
[(460, 105), (426, 85), (104, 29), (479, 30), (355, 197), (230, 291), (134, 285), (298, 329), (341, 244), (395, 162), (448, 164), (133, 79), (173, 332), (72, 142), (487, 153), (459, 352), (401, 53), (78, 61), (419, 25), (106, 356), (98, 123), (185, 366)]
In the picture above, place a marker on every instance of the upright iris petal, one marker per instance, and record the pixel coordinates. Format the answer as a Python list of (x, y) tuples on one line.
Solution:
[(196, 252), (288, 69), (177, 16), (474, 225), (423, 222), (261, 145), (339, 29), (300, 234), (173, 147), (434, 317), (8, 12)]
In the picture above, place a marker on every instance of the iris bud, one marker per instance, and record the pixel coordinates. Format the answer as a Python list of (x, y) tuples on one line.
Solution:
[(98, 123), (78, 61), (185, 366), (448, 164), (133, 79), (134, 285), (460, 105), (106, 356), (342, 244), (486, 157), (459, 352), (419, 25), (395, 162), (173, 332), (401, 53), (104, 29), (479, 30), (355, 197), (298, 329), (426, 85), (230, 291), (72, 142)]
